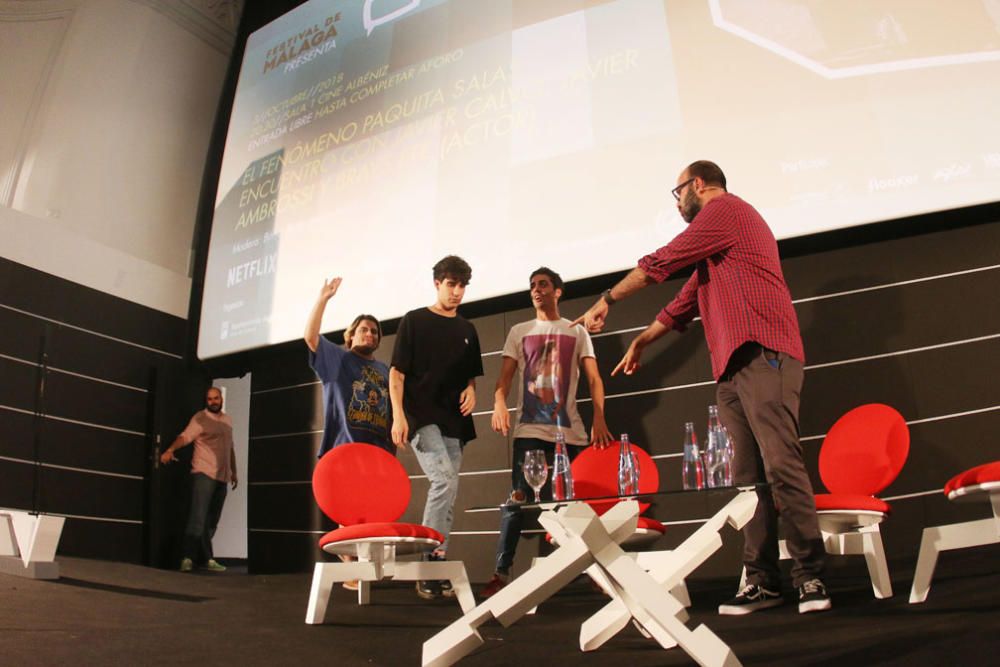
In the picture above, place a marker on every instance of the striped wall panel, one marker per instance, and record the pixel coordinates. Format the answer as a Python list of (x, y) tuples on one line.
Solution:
[(83, 450)]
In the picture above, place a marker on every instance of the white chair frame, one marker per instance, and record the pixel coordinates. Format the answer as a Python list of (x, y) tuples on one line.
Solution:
[(376, 560), (956, 536)]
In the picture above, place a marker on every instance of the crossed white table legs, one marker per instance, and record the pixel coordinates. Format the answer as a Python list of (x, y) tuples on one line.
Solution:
[(641, 584)]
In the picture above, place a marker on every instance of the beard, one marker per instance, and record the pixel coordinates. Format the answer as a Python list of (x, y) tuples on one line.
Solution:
[(690, 206), (363, 349), (214, 408)]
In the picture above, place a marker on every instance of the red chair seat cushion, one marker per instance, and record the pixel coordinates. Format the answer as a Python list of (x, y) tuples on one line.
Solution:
[(988, 472), (848, 502), (374, 531)]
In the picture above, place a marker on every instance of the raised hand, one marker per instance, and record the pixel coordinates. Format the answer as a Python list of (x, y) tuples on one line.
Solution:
[(330, 288)]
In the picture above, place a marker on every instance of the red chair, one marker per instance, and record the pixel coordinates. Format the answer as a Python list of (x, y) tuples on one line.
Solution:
[(979, 483), (595, 474), (861, 455), (365, 490)]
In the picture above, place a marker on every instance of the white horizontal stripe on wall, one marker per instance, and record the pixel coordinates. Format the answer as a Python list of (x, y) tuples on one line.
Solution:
[(134, 522), (92, 332), (53, 369), (67, 420), (88, 471)]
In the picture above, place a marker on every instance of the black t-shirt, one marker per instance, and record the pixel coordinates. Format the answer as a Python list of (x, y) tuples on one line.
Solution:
[(438, 355)]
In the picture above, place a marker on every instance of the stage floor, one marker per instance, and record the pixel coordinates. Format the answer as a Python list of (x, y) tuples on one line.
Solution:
[(102, 613)]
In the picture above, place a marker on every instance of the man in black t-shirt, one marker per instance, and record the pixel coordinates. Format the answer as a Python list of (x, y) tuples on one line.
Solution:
[(432, 385)]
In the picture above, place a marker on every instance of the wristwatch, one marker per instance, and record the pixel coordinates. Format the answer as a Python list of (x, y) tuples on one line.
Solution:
[(608, 299)]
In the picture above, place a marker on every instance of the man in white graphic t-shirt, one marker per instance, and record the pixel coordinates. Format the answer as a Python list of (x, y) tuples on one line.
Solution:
[(548, 352)]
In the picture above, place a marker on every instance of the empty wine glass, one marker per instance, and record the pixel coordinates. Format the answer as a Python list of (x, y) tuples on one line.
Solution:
[(536, 470)]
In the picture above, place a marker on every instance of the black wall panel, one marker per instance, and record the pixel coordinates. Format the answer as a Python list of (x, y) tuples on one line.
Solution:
[(882, 321), (91, 418)]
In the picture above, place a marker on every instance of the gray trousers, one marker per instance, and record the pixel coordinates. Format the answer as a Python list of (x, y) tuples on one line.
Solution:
[(758, 398)]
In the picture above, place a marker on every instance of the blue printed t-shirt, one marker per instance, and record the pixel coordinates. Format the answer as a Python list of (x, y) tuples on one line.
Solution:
[(356, 396)]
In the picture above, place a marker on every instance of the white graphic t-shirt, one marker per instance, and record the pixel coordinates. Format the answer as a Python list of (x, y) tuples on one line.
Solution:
[(548, 357)]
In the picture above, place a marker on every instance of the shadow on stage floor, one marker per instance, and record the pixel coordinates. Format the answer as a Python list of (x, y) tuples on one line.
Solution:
[(103, 613)]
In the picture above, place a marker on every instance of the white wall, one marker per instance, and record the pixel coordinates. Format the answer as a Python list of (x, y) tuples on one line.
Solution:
[(230, 539), (107, 110)]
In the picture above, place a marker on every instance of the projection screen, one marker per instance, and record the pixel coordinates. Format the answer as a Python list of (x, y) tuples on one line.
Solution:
[(370, 138)]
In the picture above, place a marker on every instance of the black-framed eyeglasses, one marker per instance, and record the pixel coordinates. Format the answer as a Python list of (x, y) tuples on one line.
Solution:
[(676, 192)]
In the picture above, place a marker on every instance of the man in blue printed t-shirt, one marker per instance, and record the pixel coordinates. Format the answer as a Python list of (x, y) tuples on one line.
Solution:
[(355, 384)]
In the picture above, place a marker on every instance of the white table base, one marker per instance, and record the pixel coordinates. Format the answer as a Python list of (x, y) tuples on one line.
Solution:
[(641, 584)]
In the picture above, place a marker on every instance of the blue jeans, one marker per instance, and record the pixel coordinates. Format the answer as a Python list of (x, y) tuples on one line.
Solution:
[(512, 518), (440, 457), (207, 497)]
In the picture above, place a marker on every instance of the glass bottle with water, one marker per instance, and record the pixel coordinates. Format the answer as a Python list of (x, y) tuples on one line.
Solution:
[(692, 468), (628, 468), (712, 454), (726, 456), (562, 474)]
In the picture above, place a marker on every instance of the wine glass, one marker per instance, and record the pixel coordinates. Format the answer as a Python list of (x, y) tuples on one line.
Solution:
[(536, 469)]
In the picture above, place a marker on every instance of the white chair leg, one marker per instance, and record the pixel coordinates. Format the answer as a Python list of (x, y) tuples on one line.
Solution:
[(946, 538), (319, 593), (364, 592), (878, 568), (926, 562)]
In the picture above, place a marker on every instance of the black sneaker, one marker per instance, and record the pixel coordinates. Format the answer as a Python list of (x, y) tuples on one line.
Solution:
[(446, 589), (751, 599), (429, 590), (813, 597)]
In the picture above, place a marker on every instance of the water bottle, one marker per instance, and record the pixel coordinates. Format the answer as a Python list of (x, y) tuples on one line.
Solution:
[(726, 453), (562, 475), (710, 459), (628, 469), (692, 468), (712, 454)]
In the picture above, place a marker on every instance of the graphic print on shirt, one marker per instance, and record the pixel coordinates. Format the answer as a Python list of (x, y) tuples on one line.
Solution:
[(368, 408), (547, 363)]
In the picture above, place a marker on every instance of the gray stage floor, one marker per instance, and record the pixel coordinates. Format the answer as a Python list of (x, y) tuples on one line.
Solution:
[(103, 613)]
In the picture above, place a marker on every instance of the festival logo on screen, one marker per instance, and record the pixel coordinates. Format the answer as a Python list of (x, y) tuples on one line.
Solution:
[(305, 45), (320, 37), (548, 361)]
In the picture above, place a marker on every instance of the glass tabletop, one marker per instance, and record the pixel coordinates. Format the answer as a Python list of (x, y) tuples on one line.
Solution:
[(641, 497)]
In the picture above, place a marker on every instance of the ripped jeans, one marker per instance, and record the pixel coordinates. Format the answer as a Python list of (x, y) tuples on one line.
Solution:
[(440, 457)]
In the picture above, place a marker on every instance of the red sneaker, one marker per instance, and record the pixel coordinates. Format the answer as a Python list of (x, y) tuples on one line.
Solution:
[(494, 585)]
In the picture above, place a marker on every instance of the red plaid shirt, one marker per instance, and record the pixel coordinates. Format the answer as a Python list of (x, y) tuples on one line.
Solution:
[(737, 286)]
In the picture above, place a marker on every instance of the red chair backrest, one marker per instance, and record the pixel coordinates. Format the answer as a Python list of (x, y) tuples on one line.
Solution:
[(865, 450), (595, 473), (359, 483)]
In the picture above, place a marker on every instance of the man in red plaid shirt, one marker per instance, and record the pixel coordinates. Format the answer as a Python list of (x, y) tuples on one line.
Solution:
[(753, 338)]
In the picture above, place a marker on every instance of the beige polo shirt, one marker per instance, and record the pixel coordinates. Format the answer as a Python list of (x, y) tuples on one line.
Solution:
[(212, 435)]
